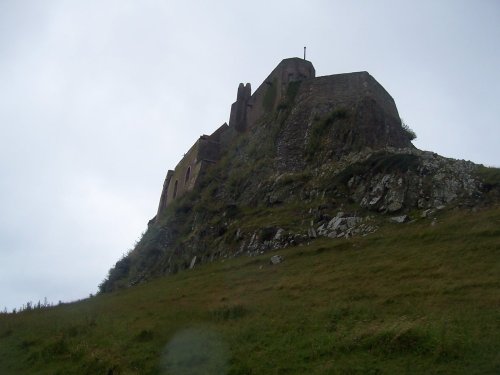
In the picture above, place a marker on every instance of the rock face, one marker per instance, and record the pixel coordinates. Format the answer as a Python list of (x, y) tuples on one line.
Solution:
[(391, 182), (345, 225), (302, 158)]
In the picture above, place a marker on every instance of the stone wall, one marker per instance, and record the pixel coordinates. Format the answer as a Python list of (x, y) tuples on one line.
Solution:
[(185, 177), (164, 193), (372, 119), (238, 116), (208, 149), (248, 109), (270, 93), (346, 89)]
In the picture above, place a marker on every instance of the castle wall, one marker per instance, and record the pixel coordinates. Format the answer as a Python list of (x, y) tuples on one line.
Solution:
[(193, 165), (271, 92), (238, 115), (346, 89), (223, 136), (247, 109), (187, 167), (372, 121), (164, 193), (208, 150), (376, 123), (217, 135)]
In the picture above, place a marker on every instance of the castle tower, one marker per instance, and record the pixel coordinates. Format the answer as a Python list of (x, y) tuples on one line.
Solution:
[(248, 108), (238, 116)]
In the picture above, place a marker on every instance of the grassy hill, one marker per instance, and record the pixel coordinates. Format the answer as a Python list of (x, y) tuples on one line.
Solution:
[(411, 298)]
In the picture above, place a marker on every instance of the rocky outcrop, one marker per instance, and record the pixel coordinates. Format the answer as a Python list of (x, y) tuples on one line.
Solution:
[(391, 182), (345, 226), (345, 198), (342, 225)]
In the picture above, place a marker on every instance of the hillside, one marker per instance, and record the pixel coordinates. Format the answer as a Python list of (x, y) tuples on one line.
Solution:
[(303, 157), (308, 235), (417, 298)]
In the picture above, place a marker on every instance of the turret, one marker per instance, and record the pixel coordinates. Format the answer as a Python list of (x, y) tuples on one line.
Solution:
[(238, 117)]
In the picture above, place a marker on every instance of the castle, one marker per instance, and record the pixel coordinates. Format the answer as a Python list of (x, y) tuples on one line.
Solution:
[(377, 121), (326, 154)]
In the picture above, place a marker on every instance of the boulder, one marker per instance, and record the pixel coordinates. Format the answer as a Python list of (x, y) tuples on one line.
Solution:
[(279, 234), (276, 259), (427, 213), (193, 262), (400, 219), (239, 235)]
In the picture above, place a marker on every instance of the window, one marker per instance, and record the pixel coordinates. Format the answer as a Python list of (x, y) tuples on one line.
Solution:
[(188, 173), (175, 189)]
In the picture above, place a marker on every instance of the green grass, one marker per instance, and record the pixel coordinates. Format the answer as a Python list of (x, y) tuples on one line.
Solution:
[(381, 162), (490, 177), (408, 299)]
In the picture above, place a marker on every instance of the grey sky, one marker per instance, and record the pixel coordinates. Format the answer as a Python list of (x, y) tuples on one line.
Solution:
[(99, 98)]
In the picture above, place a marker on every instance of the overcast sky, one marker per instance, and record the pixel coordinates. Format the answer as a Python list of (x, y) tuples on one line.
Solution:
[(99, 98)]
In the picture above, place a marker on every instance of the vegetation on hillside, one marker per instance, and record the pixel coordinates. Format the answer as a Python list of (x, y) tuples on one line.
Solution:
[(410, 133), (411, 298), (490, 177), (258, 186), (380, 162)]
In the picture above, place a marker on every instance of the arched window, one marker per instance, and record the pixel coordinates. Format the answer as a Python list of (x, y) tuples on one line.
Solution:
[(188, 173), (175, 188)]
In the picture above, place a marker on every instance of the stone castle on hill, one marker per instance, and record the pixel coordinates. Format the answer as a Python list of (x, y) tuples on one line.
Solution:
[(329, 155), (377, 124)]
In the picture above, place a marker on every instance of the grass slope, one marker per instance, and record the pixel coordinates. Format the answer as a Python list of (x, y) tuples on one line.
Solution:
[(410, 298)]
